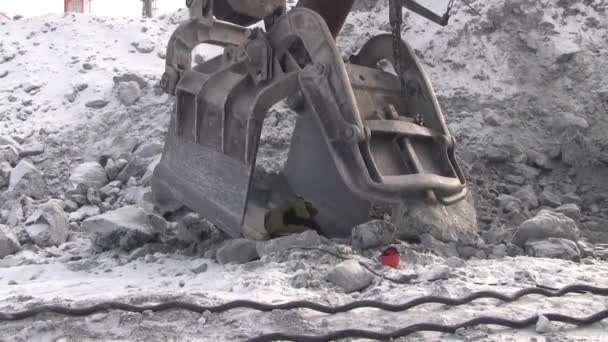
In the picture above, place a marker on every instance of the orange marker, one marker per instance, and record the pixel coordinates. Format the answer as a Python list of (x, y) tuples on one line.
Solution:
[(390, 257)]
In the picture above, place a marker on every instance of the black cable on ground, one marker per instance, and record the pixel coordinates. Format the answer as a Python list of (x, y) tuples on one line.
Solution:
[(85, 311), (432, 327)]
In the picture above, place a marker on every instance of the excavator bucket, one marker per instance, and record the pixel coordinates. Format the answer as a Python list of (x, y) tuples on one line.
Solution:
[(361, 137)]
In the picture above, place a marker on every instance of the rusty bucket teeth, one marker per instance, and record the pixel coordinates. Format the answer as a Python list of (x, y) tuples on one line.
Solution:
[(359, 139)]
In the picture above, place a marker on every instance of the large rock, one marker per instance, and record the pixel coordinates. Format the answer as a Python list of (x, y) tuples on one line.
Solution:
[(585, 248), (6, 140), (540, 160), (144, 46), (88, 175), (446, 250), (454, 223), (436, 273), (571, 210), (5, 174), (526, 171), (137, 195), (48, 225), (499, 251), (308, 239), (33, 149), (508, 203), (575, 149), (129, 93), (596, 231), (111, 189), (131, 78), (546, 224), (191, 229), (135, 168), (145, 198), (543, 325), (27, 180), (9, 154), (238, 251), (550, 199), (571, 198), (113, 168), (601, 251), (97, 104), (554, 248), (149, 150), (495, 154), (469, 251), (146, 179), (496, 234), (93, 196), (528, 196), (31, 88), (455, 262), (8, 242), (125, 228), (119, 147), (150, 249), (350, 276), (71, 96), (15, 213), (372, 234), (364, 5), (84, 212), (570, 121)]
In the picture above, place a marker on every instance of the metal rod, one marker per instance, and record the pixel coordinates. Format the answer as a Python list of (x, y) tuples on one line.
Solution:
[(425, 12)]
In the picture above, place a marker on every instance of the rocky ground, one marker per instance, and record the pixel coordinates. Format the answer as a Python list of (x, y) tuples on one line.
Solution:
[(82, 122)]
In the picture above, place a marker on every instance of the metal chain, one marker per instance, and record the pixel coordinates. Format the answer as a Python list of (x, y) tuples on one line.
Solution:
[(471, 7), (446, 15), (396, 18), (396, 22), (450, 5)]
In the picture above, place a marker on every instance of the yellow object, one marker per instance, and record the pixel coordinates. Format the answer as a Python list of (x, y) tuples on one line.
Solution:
[(293, 216)]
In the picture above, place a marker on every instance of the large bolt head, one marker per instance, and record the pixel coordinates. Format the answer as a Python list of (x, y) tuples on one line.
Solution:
[(348, 133), (320, 69)]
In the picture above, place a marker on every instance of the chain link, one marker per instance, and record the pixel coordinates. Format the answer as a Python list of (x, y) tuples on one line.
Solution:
[(396, 23), (450, 5)]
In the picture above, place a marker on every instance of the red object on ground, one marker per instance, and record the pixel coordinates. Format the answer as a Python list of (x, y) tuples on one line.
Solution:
[(77, 6), (390, 257)]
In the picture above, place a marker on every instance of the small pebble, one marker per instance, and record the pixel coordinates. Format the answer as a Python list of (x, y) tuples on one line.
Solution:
[(436, 273), (200, 269), (543, 325), (455, 262), (98, 317)]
